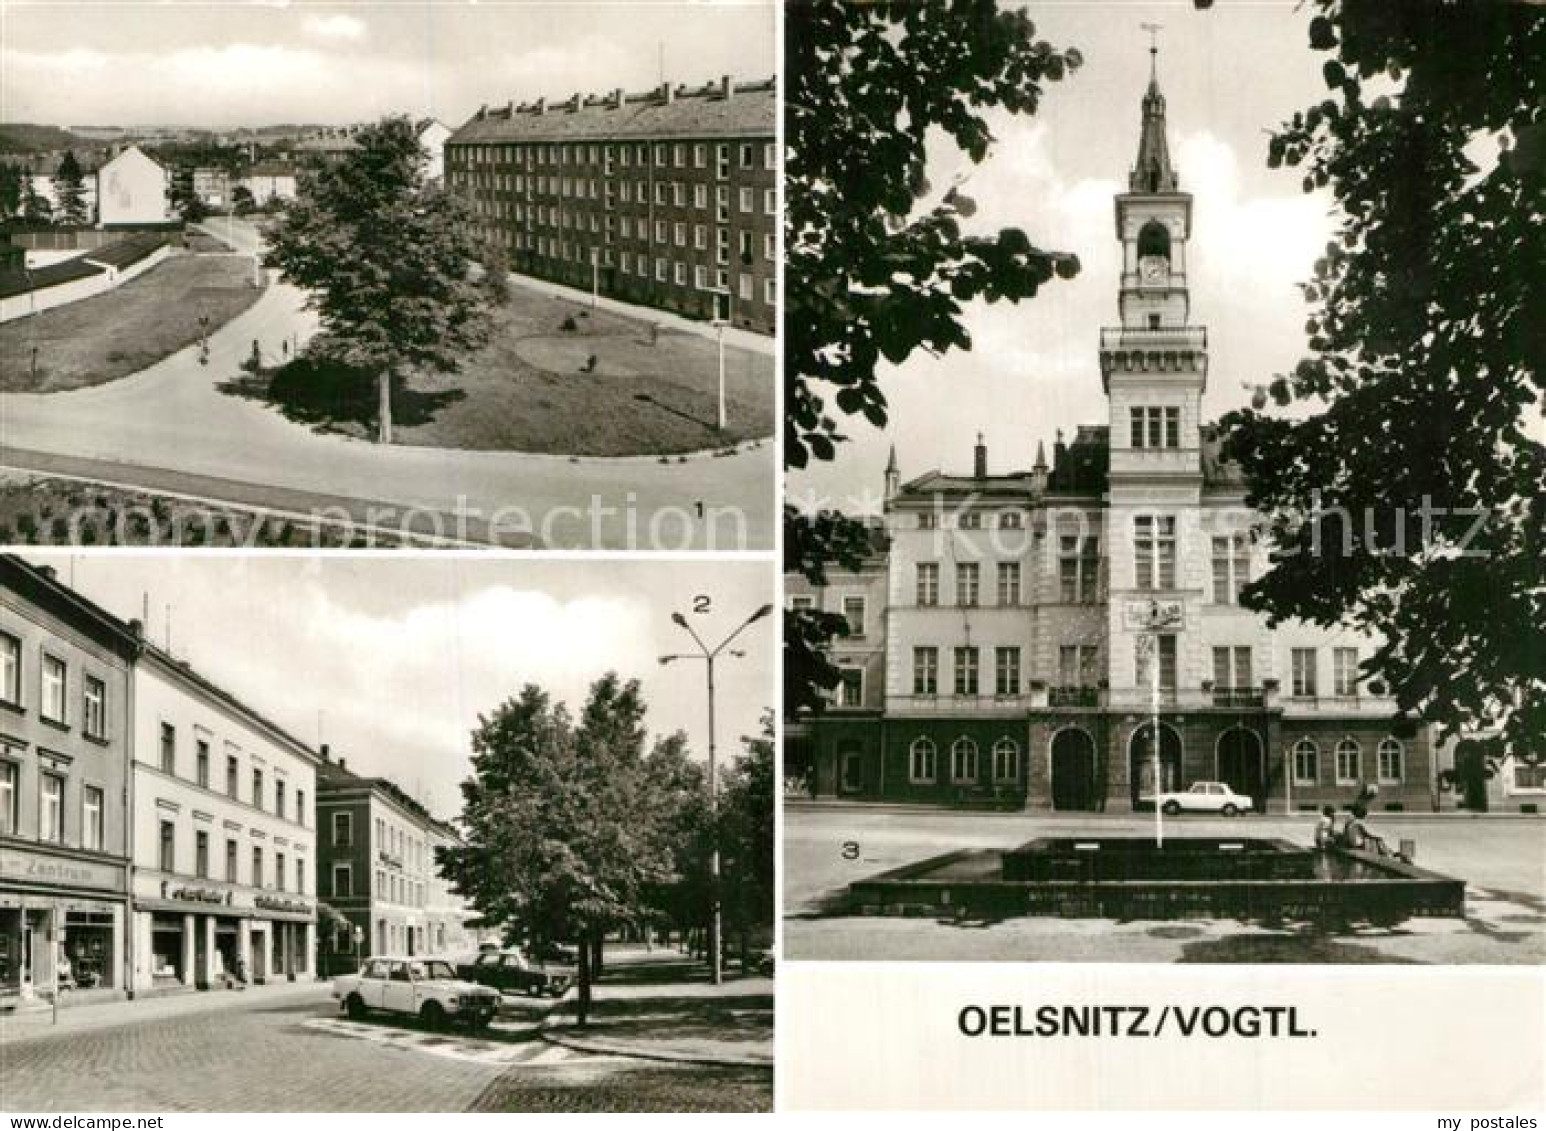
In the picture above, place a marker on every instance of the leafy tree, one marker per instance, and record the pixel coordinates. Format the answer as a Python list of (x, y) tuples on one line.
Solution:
[(387, 261), (70, 192), (561, 841), (10, 189), (876, 269), (242, 201), (35, 208), (1405, 496), (746, 838), (186, 202)]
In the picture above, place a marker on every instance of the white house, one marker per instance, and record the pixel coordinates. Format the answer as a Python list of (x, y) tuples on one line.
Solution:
[(269, 180), (133, 188)]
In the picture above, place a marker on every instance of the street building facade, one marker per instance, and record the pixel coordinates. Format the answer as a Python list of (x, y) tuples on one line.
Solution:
[(1071, 636), (377, 869), (224, 837), (667, 198), (65, 731)]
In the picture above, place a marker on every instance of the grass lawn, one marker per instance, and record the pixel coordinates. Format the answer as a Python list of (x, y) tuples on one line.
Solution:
[(115, 334), (535, 388)]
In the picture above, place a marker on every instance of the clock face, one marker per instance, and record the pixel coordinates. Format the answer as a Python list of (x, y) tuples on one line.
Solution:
[(1152, 268)]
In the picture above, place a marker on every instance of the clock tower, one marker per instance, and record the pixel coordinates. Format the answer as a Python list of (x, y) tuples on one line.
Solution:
[(1154, 368)]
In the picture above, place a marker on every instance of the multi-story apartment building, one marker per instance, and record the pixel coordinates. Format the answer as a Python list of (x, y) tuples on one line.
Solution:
[(65, 722), (667, 198), (1070, 636), (224, 836), (377, 868)]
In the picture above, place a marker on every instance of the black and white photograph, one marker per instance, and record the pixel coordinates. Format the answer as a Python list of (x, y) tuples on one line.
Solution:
[(385, 275), (366, 834), (1164, 560)]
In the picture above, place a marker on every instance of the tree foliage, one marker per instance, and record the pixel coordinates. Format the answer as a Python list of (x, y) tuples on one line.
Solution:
[(70, 192), (1406, 495), (746, 810), (571, 829), (387, 260), (878, 265)]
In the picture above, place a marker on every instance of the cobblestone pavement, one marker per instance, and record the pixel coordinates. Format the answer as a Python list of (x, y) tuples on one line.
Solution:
[(302, 1057)]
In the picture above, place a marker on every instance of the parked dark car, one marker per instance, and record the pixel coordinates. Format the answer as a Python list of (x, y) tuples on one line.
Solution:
[(557, 953), (509, 972)]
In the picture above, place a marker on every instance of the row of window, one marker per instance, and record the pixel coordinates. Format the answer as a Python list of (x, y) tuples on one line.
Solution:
[(390, 886), (51, 802), (1078, 666), (1078, 568), (672, 155), (282, 807), (665, 194), (54, 689), (923, 761), (1347, 762), (256, 876)]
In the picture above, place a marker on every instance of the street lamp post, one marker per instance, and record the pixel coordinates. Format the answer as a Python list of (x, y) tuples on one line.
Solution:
[(708, 656), (721, 320)]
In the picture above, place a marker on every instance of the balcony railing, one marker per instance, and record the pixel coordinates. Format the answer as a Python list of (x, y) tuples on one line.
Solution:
[(1238, 697), (1072, 697), (1163, 338)]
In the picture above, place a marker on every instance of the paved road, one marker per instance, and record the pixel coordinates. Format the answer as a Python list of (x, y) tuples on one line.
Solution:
[(172, 417), (1502, 860), (299, 1055)]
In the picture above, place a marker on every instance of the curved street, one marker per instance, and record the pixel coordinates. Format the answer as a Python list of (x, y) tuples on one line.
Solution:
[(173, 417)]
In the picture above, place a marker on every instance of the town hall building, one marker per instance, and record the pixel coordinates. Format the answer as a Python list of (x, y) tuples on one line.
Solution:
[(1071, 636)]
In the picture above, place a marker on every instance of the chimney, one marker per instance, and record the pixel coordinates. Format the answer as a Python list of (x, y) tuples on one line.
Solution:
[(542, 105), (980, 459), (726, 88), (343, 764), (49, 572), (325, 752), (666, 93), (137, 628), (617, 99)]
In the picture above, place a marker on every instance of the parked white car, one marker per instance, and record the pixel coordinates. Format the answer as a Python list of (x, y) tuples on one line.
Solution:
[(426, 988), (1206, 797)]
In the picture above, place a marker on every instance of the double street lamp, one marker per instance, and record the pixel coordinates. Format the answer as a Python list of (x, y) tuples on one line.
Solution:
[(708, 656)]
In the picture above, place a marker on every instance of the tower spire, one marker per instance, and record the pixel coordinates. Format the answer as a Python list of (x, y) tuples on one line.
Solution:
[(1152, 171)]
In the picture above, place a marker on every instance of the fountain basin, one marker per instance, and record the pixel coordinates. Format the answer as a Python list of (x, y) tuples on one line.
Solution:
[(1186, 877)]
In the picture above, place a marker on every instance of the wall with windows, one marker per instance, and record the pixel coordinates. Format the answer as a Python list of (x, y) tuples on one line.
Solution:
[(224, 837), (64, 732), (663, 199)]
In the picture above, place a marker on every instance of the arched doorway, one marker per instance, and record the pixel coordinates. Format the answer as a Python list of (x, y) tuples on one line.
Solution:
[(1241, 765), (1141, 761), (1073, 770)]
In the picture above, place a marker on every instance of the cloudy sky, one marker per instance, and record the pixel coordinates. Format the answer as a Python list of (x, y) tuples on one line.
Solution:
[(229, 63), (1228, 75), (391, 660)]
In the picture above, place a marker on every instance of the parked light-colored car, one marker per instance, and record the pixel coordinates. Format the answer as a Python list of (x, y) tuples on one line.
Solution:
[(426, 988), (1206, 797)]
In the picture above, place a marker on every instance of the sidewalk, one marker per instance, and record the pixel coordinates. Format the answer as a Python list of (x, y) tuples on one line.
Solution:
[(33, 1022), (661, 1006), (734, 336)]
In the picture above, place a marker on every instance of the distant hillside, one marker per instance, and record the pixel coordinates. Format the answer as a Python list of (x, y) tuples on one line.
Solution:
[(23, 137)]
